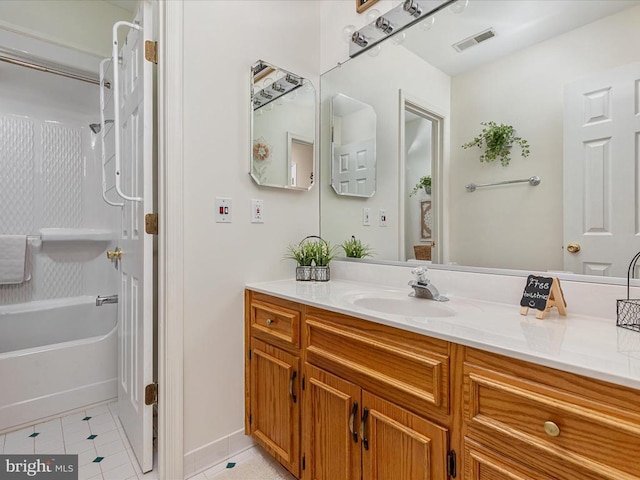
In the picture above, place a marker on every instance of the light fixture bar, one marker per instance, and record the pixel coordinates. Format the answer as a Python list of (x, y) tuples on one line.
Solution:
[(394, 21)]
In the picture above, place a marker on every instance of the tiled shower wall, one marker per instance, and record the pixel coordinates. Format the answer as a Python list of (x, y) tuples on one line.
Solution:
[(42, 166)]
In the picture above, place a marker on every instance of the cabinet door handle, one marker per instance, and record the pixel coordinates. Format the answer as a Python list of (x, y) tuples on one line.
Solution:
[(294, 374), (552, 429), (270, 321), (363, 428), (352, 418)]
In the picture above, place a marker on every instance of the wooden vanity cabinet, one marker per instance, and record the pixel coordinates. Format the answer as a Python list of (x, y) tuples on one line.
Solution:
[(371, 396), (272, 377), (538, 423)]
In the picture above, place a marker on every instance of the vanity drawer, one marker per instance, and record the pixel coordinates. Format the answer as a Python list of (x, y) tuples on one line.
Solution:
[(278, 323), (403, 367), (551, 429)]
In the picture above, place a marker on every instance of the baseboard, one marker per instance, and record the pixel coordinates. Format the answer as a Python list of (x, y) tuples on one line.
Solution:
[(213, 453)]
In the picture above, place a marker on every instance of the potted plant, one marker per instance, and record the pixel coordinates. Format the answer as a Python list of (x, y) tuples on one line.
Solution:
[(354, 248), (313, 257), (423, 184), (497, 141)]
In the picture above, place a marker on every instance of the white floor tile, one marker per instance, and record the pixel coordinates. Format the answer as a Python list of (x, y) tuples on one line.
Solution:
[(110, 448), (54, 446), (113, 461), (98, 410), (118, 473), (87, 456), (26, 447), (2, 443), (200, 476), (81, 427), (50, 427), (89, 470), (107, 437), (104, 427), (72, 418), (97, 477), (80, 436)]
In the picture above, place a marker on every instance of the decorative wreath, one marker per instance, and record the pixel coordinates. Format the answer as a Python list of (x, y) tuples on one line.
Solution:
[(261, 150)]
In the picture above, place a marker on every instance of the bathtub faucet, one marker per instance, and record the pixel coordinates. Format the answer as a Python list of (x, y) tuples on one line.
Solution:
[(108, 299)]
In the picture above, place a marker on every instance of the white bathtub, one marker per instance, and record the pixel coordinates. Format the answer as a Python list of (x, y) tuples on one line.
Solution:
[(55, 356)]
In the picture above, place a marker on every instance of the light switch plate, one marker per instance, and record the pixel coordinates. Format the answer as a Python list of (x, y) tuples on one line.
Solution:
[(366, 217), (223, 210), (257, 211), (383, 218)]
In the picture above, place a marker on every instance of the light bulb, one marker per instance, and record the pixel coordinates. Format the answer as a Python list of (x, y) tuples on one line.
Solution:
[(372, 15), (374, 51), (398, 38), (347, 32), (459, 6), (428, 23)]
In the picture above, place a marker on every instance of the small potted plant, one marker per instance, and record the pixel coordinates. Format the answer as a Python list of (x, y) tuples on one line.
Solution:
[(313, 257), (497, 141), (423, 184), (354, 248), (303, 255)]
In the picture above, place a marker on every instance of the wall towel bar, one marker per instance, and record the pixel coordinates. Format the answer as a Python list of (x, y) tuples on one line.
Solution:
[(533, 181)]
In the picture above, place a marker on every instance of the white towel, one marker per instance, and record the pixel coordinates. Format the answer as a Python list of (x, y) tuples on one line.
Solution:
[(13, 254)]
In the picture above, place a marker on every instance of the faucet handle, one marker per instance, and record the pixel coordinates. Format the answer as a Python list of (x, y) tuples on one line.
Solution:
[(421, 274)]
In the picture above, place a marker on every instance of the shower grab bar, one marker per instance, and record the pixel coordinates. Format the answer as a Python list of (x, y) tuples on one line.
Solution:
[(102, 136), (116, 99), (533, 181)]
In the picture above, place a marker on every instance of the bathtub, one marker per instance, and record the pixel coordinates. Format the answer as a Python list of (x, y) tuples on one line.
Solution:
[(55, 356)]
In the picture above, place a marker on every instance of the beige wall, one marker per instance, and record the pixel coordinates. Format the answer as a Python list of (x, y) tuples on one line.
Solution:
[(514, 91), (82, 25), (222, 39)]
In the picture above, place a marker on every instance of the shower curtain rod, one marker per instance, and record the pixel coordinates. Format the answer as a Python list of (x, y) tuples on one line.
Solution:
[(55, 71)]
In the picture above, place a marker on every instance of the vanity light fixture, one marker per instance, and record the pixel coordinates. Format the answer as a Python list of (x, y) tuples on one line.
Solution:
[(278, 88), (412, 8), (273, 90), (384, 25), (392, 23), (292, 79)]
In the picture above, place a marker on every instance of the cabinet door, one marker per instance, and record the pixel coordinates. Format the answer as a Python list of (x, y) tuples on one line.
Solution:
[(332, 409), (275, 403), (398, 445)]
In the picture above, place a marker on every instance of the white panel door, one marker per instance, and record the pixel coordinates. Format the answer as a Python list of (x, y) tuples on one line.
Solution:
[(135, 326), (601, 171), (356, 172)]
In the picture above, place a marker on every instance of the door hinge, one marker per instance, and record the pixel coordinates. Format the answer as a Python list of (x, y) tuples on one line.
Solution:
[(151, 223), (151, 394), (151, 51), (451, 464), (304, 462)]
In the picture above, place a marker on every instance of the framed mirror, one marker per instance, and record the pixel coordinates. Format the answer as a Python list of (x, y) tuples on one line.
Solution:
[(353, 147), (564, 75), (283, 128)]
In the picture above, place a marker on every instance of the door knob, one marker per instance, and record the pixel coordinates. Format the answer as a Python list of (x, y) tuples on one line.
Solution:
[(114, 254), (573, 247)]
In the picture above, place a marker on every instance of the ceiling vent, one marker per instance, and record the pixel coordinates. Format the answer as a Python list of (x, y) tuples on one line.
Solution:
[(469, 42)]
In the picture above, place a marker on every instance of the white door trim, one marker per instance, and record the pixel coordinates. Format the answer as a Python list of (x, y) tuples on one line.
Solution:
[(170, 242)]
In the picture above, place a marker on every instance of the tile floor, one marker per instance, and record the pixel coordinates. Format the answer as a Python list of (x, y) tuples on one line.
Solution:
[(104, 453), (94, 434), (252, 464)]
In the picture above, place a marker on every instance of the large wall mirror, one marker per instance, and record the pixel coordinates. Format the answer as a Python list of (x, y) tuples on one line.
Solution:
[(564, 74), (283, 128)]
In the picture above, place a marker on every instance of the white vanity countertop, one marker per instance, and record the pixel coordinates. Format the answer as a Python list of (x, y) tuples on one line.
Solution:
[(580, 344)]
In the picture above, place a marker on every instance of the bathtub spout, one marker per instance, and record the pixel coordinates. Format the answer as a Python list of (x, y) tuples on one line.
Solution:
[(108, 299)]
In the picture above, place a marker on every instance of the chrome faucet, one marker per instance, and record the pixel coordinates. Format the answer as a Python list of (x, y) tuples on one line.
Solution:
[(423, 288), (108, 299)]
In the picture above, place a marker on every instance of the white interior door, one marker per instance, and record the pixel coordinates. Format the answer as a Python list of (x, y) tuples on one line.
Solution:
[(601, 171), (135, 326), (356, 170)]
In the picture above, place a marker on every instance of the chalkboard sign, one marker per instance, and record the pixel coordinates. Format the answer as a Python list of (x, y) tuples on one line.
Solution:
[(542, 293), (536, 292)]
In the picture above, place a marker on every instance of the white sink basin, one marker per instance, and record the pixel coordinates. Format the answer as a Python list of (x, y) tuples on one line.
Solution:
[(396, 304)]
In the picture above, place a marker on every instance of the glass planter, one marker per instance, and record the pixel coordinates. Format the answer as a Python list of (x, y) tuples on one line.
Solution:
[(303, 273)]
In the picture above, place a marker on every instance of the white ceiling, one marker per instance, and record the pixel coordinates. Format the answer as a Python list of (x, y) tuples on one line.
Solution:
[(517, 24)]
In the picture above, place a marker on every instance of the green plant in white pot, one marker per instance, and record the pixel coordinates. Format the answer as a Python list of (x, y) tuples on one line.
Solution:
[(497, 141), (423, 184), (355, 248)]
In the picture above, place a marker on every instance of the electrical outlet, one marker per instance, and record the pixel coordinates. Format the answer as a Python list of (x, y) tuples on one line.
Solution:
[(223, 210), (383, 218), (366, 217), (257, 211)]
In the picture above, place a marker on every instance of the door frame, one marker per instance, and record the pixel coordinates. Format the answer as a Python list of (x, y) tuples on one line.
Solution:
[(438, 119), (170, 242)]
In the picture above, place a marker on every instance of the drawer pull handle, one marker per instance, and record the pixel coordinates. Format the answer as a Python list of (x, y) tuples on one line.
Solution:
[(363, 427), (352, 418), (294, 374), (552, 429), (270, 321)]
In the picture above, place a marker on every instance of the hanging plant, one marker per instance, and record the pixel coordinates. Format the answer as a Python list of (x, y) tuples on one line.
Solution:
[(497, 141), (423, 184)]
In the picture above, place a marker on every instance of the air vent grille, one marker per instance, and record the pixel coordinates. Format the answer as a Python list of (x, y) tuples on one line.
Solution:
[(474, 40)]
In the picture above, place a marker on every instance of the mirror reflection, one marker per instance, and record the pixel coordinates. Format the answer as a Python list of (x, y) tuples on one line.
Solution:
[(564, 75), (353, 147), (283, 128)]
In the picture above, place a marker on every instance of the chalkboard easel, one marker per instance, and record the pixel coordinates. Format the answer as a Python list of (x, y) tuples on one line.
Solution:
[(542, 294)]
